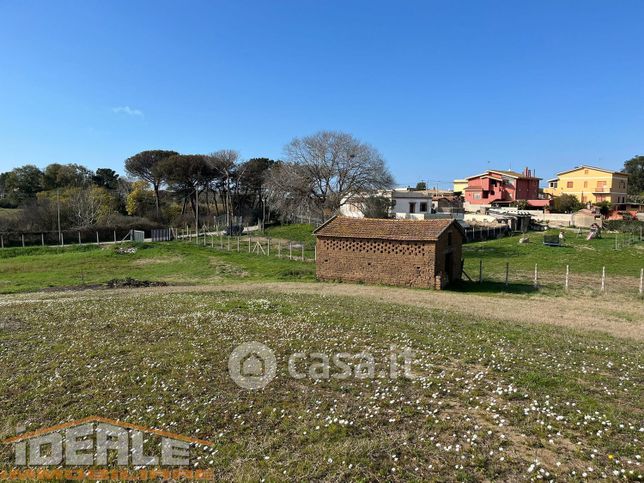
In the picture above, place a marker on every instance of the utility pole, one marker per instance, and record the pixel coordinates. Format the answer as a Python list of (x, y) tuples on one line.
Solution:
[(58, 214), (197, 214)]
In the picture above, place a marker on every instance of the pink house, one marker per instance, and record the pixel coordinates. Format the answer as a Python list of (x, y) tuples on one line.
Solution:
[(503, 187)]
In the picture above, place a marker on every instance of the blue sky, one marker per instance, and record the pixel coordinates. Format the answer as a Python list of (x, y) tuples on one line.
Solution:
[(442, 89)]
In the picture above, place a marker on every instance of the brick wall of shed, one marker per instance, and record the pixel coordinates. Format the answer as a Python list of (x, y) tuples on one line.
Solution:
[(406, 263), (456, 248)]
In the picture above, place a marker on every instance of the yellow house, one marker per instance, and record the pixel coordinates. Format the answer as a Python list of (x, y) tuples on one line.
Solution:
[(460, 185), (590, 185)]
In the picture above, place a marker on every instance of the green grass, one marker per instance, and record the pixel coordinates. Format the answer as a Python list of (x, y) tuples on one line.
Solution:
[(581, 255), (28, 269), (489, 398), (296, 232)]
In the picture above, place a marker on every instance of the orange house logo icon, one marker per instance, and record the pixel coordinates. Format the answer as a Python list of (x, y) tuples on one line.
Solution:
[(97, 442)]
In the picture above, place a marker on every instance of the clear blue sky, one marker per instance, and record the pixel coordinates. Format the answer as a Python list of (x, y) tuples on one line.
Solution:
[(442, 89)]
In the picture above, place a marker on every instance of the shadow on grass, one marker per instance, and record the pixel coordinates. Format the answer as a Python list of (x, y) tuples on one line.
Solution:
[(491, 287)]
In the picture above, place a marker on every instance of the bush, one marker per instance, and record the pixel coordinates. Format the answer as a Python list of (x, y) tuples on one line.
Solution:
[(7, 203)]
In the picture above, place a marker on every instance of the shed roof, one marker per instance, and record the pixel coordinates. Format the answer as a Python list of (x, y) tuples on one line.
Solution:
[(408, 230)]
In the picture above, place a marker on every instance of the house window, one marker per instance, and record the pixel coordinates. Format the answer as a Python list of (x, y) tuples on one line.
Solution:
[(569, 184), (423, 207), (585, 171), (585, 184), (412, 207), (477, 196)]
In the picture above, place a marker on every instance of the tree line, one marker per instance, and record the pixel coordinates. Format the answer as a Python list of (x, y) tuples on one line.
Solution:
[(163, 187)]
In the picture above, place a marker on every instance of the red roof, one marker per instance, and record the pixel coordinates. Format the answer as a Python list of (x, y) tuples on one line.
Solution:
[(410, 230)]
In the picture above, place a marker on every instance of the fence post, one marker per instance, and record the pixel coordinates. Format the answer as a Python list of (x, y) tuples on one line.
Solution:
[(42, 239), (268, 248), (79, 238), (114, 236), (641, 281), (228, 238), (249, 237), (238, 242), (98, 241), (603, 279), (567, 276), (221, 241), (279, 249), (480, 271), (62, 239), (536, 276), (315, 252), (2, 241), (290, 251), (23, 240), (302, 251), (507, 269), (212, 241)]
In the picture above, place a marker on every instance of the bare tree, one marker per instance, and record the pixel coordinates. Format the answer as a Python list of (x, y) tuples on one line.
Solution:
[(325, 169)]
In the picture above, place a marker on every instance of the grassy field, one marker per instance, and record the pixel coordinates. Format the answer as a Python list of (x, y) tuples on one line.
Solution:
[(28, 269), (186, 263), (490, 400), (583, 256), (297, 232)]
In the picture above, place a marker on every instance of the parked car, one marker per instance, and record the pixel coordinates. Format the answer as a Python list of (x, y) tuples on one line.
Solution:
[(235, 230)]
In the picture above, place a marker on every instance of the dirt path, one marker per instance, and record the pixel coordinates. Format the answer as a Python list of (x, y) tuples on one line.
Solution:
[(618, 317)]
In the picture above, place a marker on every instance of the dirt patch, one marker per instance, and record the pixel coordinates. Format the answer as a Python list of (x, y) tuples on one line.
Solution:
[(10, 323), (614, 315), (133, 283)]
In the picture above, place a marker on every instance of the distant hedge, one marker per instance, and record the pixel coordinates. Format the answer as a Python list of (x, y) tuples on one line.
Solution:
[(624, 226)]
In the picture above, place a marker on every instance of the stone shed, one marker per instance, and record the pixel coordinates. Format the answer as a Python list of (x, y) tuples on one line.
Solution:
[(413, 253)]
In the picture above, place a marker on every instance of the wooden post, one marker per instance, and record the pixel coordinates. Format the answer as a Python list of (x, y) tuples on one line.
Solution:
[(315, 252), (536, 276), (221, 241), (212, 241), (79, 238), (507, 270), (290, 251), (249, 237), (567, 277), (23, 240), (62, 239), (42, 239), (98, 241), (228, 238), (480, 271), (302, 251), (268, 248), (641, 281), (114, 236), (238, 242), (2, 241), (603, 279), (279, 249)]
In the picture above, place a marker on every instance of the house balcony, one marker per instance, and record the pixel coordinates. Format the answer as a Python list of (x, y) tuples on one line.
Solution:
[(602, 189)]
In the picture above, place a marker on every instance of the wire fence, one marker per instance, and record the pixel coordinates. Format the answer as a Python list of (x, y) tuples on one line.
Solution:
[(565, 279), (253, 243)]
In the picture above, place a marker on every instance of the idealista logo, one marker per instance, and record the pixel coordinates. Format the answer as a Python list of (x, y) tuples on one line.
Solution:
[(91, 443)]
